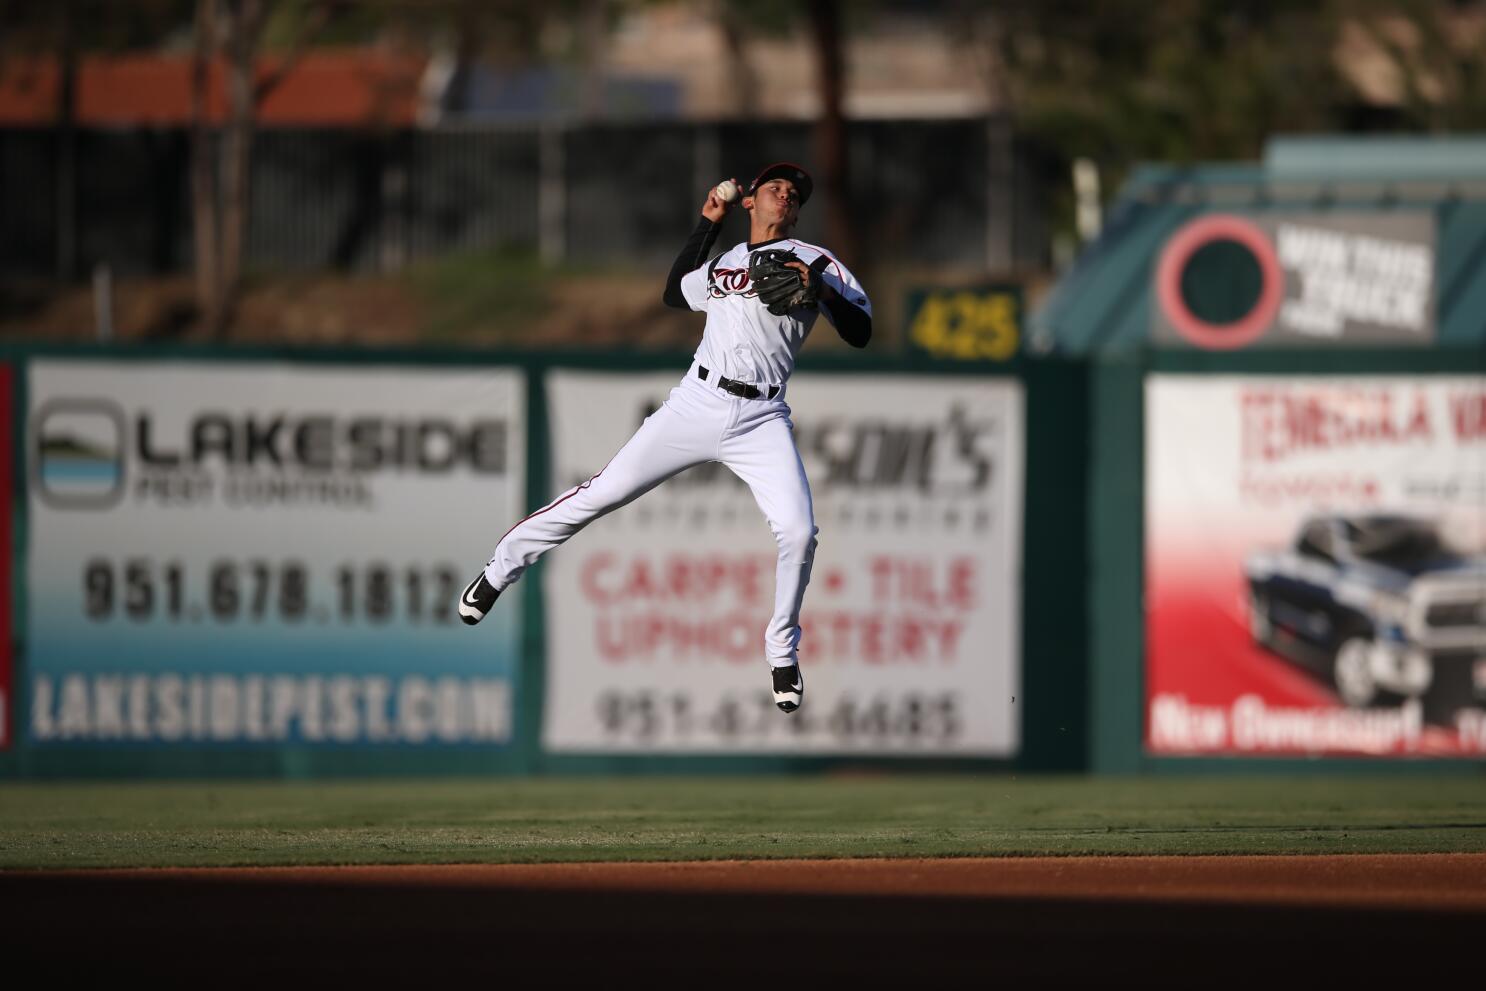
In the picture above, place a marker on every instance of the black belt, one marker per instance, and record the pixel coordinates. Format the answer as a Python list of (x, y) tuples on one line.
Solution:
[(740, 389)]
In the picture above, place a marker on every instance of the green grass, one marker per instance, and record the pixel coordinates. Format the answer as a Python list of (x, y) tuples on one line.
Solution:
[(673, 818), (464, 291)]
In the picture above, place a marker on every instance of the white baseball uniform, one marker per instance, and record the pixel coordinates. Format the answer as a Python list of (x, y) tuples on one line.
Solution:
[(743, 345)]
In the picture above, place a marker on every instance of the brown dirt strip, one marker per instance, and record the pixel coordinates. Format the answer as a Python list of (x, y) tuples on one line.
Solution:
[(1155, 920), (1432, 881)]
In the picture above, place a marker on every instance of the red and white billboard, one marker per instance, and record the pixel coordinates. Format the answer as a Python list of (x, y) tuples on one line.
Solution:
[(1315, 565)]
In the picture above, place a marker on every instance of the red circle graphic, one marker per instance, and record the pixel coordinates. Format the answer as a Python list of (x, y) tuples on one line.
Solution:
[(1174, 257)]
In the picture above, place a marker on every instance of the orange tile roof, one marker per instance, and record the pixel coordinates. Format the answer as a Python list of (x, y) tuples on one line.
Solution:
[(328, 87)]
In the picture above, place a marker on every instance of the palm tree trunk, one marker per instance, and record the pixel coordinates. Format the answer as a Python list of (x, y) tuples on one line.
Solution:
[(67, 146), (246, 21), (204, 224), (830, 129)]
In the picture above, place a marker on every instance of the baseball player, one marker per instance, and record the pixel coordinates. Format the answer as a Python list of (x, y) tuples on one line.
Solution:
[(761, 298)]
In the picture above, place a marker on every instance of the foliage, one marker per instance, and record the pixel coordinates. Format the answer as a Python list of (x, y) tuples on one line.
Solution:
[(1186, 81), (94, 25), (1437, 51)]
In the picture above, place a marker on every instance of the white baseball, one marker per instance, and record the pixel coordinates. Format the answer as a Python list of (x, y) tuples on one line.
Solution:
[(727, 190)]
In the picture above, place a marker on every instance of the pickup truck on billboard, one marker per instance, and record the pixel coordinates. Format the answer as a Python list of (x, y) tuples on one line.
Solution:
[(1380, 605)]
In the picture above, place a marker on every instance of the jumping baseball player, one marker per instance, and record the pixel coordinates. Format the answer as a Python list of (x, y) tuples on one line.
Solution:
[(761, 298)]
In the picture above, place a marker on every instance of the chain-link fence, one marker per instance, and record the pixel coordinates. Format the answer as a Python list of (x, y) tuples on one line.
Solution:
[(954, 193)]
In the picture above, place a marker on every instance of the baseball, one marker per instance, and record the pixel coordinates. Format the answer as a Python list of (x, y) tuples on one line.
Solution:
[(727, 190)]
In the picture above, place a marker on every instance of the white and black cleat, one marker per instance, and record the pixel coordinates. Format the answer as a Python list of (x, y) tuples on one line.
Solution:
[(789, 688), (476, 599)]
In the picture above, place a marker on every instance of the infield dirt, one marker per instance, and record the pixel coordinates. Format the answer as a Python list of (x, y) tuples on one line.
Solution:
[(1180, 919)]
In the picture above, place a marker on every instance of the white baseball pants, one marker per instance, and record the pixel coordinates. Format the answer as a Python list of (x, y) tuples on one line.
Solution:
[(697, 423)]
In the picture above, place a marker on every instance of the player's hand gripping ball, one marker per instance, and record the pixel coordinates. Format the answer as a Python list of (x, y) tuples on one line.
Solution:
[(782, 286), (727, 191)]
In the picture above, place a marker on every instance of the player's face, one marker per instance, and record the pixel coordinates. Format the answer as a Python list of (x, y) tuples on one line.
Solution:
[(778, 202)]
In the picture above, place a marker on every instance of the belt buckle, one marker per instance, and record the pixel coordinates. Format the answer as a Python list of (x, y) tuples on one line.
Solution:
[(740, 389)]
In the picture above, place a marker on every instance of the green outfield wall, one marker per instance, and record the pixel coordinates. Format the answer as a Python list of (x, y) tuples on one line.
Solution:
[(236, 562), (201, 648), (1287, 468), (1406, 422)]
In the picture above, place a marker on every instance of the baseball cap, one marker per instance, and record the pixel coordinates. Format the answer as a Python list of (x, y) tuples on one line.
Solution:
[(785, 170)]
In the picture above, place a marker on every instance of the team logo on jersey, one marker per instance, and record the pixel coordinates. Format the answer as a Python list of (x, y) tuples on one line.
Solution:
[(730, 282)]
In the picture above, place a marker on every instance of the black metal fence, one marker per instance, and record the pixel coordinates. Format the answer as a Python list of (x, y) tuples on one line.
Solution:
[(933, 192)]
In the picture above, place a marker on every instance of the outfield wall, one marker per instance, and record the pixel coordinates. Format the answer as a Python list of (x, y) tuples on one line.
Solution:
[(245, 563), (1237, 454), (240, 563)]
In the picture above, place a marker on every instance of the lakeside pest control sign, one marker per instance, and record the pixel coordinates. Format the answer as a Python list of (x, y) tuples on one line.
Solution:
[(243, 554)]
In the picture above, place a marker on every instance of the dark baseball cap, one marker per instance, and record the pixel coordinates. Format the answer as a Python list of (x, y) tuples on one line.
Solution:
[(785, 170)]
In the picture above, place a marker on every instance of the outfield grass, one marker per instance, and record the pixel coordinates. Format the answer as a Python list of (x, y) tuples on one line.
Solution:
[(674, 818)]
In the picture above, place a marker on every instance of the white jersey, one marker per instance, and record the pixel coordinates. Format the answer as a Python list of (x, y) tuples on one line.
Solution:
[(742, 339), (706, 419)]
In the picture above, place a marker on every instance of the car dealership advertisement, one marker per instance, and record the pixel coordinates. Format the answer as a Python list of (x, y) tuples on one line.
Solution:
[(656, 613), (1315, 565), (244, 554)]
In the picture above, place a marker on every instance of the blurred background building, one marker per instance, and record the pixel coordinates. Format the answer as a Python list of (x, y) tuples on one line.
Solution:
[(457, 171)]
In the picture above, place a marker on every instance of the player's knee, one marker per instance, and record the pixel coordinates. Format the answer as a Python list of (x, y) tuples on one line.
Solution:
[(797, 541)]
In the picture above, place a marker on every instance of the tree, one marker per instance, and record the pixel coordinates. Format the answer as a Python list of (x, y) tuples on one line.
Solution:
[(823, 22), (67, 31), (830, 128), (1435, 54), (1185, 81), (221, 164)]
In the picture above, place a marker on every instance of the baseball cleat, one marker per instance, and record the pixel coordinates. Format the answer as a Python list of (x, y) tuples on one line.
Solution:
[(476, 599), (789, 688)]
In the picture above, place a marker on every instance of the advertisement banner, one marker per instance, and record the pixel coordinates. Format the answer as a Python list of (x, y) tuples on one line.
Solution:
[(1226, 281), (656, 613), (1315, 565), (267, 554)]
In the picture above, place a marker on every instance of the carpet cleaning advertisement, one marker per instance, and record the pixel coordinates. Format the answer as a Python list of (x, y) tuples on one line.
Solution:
[(1316, 566), (656, 613), (267, 554)]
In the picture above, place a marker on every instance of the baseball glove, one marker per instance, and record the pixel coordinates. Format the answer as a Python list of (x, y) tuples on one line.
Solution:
[(780, 287)]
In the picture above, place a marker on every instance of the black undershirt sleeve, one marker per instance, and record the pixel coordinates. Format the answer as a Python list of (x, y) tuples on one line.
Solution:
[(852, 322), (691, 258)]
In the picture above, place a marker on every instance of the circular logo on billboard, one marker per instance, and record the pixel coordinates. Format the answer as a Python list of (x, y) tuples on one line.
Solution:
[(1219, 282)]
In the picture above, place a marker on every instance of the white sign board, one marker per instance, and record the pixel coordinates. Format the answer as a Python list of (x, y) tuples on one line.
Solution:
[(656, 613), (230, 554)]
